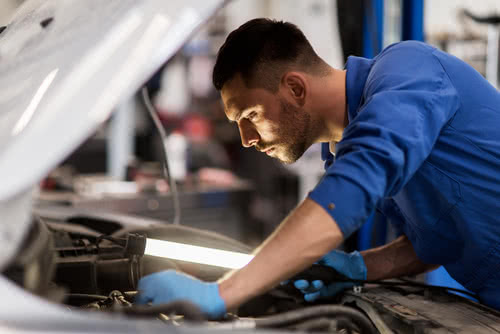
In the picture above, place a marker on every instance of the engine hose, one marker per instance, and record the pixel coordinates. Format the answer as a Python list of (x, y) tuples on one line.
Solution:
[(323, 311), (326, 325), (188, 310), (86, 296)]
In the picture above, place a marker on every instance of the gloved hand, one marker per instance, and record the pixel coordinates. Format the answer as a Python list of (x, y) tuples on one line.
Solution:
[(350, 265), (169, 286)]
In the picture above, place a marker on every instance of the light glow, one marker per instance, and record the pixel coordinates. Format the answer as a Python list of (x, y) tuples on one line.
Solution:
[(30, 110), (196, 254)]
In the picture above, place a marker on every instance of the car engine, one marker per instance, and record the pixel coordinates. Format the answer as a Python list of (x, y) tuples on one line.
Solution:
[(80, 260)]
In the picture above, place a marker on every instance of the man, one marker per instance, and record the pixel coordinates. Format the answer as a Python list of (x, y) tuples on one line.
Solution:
[(412, 133)]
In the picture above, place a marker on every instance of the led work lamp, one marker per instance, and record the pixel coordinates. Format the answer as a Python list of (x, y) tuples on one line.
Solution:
[(140, 245)]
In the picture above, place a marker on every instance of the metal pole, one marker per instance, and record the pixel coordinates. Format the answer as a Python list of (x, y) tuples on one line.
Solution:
[(120, 144)]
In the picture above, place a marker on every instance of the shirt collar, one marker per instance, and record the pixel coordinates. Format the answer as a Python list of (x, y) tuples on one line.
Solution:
[(357, 72)]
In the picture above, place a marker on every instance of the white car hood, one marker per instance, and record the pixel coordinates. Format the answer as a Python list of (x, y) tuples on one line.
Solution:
[(58, 83)]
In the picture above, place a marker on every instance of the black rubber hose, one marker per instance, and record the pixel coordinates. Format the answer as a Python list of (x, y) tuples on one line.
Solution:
[(90, 297), (187, 309), (330, 311), (84, 295), (317, 325)]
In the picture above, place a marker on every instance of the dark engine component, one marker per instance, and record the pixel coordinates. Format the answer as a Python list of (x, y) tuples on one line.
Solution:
[(320, 318), (114, 300), (103, 264), (91, 263), (92, 274), (75, 255), (93, 268), (35, 263)]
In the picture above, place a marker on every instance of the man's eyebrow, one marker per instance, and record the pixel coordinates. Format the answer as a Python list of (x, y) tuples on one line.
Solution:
[(242, 111), (230, 104)]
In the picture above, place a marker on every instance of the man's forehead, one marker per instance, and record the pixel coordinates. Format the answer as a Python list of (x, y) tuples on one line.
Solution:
[(232, 88)]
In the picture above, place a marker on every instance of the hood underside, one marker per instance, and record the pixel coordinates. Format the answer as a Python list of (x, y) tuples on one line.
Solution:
[(64, 66)]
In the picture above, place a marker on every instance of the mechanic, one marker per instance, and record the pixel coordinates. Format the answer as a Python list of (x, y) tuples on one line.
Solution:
[(413, 133)]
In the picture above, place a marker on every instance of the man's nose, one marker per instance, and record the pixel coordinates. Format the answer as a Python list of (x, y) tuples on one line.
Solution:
[(249, 136)]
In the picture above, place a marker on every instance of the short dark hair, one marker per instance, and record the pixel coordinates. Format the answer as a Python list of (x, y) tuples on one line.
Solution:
[(261, 50)]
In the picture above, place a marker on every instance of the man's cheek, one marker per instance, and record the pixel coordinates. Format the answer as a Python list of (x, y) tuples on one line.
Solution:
[(270, 128)]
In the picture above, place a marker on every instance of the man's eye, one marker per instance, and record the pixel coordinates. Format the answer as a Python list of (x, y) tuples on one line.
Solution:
[(252, 116)]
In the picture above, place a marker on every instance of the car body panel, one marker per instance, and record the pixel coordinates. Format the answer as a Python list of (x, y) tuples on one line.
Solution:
[(64, 66), (59, 83)]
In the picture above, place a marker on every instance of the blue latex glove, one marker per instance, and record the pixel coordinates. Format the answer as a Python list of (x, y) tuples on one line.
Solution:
[(351, 265), (169, 286)]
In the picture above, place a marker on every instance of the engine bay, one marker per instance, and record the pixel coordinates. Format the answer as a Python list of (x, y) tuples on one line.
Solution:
[(80, 260)]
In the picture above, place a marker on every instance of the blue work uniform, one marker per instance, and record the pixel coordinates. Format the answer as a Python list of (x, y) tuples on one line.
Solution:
[(423, 147)]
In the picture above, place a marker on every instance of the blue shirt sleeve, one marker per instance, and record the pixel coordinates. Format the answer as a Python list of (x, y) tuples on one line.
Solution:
[(408, 99)]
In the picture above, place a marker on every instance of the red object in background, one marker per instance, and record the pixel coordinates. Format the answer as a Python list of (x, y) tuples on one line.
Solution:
[(48, 183), (197, 128)]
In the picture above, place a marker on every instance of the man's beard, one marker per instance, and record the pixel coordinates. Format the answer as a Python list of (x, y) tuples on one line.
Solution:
[(293, 134)]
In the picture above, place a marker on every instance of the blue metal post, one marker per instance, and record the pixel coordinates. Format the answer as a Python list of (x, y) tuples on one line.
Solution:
[(373, 27), (373, 32), (413, 20)]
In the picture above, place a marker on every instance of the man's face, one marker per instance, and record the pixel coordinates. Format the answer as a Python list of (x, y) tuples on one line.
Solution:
[(267, 120)]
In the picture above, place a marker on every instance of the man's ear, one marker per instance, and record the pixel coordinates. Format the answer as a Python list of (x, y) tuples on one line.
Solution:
[(295, 85)]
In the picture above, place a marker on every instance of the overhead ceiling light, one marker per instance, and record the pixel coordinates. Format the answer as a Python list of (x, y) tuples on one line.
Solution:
[(196, 254)]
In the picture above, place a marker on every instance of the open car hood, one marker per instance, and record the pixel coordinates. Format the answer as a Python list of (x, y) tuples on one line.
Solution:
[(64, 66)]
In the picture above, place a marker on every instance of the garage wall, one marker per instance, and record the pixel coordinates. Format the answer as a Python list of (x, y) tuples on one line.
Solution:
[(316, 18), (443, 16)]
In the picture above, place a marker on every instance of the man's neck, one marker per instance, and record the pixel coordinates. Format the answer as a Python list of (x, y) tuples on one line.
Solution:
[(330, 105)]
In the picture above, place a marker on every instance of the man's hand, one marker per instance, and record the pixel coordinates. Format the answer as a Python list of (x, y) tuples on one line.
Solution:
[(350, 265), (169, 286)]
